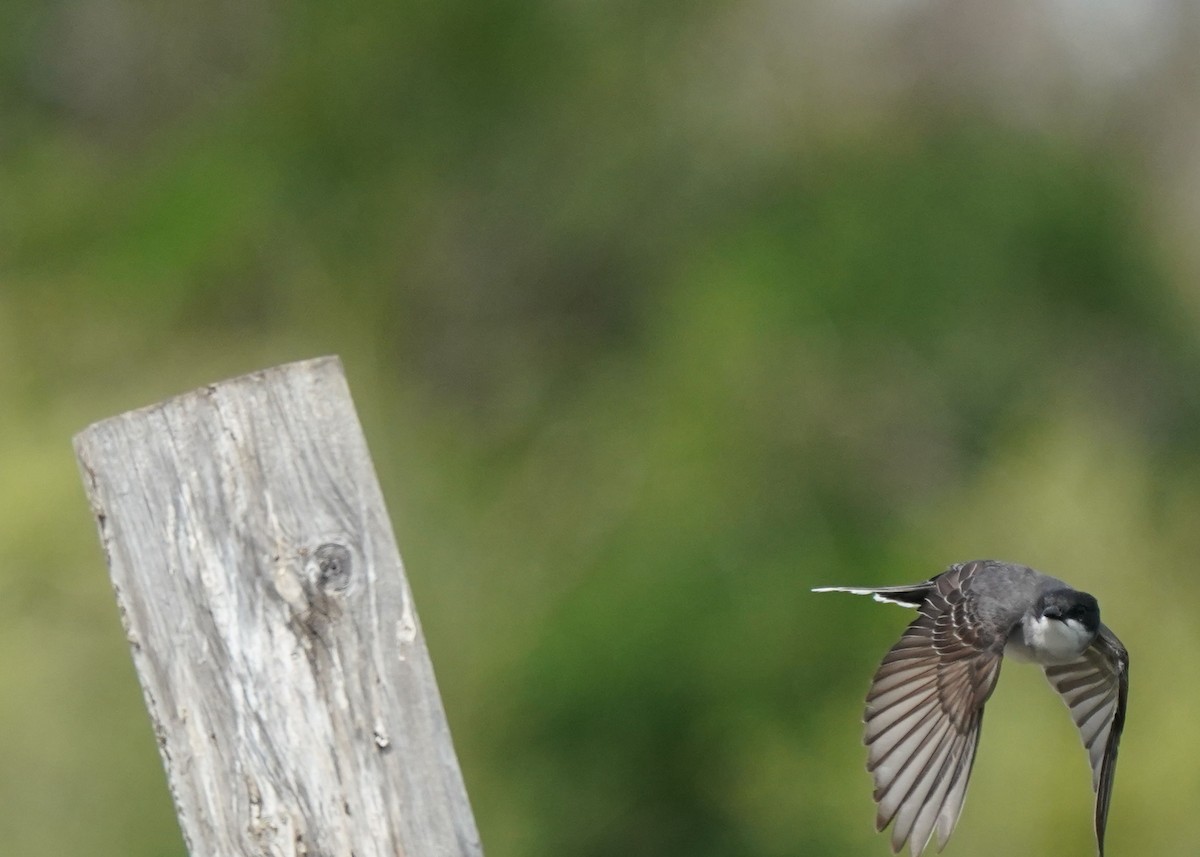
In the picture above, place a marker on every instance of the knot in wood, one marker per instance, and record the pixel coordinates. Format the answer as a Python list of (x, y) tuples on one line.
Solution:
[(333, 567)]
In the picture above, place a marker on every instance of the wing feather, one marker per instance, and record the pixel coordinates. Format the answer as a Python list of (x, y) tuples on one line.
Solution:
[(1095, 688), (923, 715)]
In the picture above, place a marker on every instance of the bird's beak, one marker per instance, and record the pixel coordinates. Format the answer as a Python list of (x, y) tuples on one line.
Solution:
[(1052, 613)]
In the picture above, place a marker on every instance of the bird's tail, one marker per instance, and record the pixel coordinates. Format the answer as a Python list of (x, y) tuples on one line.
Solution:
[(906, 596)]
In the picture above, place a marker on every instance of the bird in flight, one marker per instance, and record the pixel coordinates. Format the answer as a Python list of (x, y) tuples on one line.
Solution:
[(925, 705)]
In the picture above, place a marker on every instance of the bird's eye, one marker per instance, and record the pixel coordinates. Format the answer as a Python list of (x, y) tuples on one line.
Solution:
[(1078, 611)]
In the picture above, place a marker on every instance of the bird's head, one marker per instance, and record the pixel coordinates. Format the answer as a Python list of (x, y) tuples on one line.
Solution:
[(1077, 610)]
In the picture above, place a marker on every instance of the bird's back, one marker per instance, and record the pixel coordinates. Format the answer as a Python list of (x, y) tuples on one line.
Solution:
[(1000, 592)]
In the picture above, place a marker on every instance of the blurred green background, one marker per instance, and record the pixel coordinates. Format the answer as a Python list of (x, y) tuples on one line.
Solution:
[(656, 316)]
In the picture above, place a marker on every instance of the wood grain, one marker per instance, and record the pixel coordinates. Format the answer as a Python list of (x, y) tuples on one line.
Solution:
[(271, 624)]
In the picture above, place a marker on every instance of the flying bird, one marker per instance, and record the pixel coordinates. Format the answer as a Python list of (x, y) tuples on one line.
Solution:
[(925, 705)]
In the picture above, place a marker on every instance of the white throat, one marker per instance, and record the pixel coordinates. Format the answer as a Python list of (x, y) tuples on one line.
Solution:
[(1048, 641)]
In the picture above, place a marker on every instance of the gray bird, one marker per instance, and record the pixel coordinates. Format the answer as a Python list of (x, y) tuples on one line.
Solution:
[(925, 706)]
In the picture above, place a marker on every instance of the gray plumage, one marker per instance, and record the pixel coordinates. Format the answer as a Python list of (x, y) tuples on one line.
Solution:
[(925, 706)]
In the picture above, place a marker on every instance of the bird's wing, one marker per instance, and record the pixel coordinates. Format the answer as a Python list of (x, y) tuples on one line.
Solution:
[(1096, 689), (924, 711)]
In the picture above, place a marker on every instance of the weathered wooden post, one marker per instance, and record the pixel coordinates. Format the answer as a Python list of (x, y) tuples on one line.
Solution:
[(271, 624)]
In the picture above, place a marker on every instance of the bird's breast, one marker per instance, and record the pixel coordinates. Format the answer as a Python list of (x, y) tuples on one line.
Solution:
[(1048, 641)]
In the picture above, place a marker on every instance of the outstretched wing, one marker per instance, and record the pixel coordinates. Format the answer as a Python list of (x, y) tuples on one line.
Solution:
[(1096, 689), (924, 712)]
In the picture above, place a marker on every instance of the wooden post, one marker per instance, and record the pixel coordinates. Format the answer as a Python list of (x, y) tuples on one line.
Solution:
[(271, 624)]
